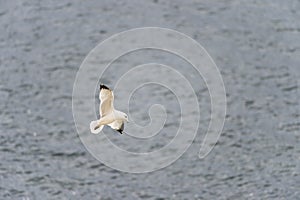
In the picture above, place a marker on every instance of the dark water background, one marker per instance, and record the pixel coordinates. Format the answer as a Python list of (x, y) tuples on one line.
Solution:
[(256, 47)]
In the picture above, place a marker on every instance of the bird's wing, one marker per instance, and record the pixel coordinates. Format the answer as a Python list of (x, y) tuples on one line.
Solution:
[(117, 125), (106, 100)]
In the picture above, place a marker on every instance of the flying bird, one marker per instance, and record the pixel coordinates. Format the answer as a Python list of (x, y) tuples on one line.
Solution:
[(108, 115)]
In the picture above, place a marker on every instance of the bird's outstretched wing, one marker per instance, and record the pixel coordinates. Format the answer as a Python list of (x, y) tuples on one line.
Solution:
[(106, 100), (117, 125)]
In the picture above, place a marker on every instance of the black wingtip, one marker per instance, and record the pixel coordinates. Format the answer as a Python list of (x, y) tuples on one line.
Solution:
[(103, 87), (120, 131)]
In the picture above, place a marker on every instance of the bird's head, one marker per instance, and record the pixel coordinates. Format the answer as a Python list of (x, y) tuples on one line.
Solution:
[(126, 117)]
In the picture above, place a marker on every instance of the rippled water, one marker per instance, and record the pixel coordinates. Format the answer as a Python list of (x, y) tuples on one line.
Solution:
[(256, 47)]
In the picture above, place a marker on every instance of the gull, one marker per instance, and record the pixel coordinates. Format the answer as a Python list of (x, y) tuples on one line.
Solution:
[(108, 115)]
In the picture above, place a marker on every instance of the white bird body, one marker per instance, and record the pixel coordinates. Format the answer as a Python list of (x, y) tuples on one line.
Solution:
[(108, 115)]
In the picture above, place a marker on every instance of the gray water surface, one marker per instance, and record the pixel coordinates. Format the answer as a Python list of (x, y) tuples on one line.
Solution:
[(256, 47)]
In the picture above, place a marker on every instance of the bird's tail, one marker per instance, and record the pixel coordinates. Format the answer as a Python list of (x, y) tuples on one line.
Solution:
[(94, 125)]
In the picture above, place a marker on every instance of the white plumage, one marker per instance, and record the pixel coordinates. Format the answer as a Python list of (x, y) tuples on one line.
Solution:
[(108, 115)]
